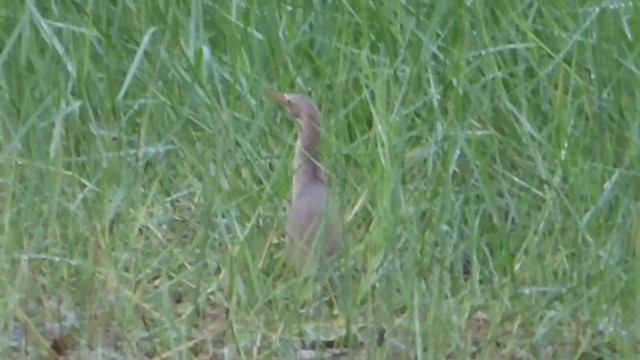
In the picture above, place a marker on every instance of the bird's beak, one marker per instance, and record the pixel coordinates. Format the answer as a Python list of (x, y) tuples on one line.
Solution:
[(277, 97)]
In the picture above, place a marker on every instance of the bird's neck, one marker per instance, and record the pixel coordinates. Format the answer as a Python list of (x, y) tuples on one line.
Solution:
[(307, 158), (306, 165)]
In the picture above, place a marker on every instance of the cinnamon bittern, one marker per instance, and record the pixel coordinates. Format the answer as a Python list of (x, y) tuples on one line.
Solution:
[(314, 229)]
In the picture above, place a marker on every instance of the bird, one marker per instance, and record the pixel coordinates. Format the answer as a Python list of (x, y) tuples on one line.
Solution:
[(314, 228)]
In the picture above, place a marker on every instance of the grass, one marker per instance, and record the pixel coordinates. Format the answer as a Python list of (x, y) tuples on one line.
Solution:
[(144, 178)]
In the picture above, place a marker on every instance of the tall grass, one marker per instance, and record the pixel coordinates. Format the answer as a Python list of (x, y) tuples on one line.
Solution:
[(144, 178)]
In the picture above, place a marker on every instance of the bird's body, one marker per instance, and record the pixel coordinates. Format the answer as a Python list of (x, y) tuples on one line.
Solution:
[(313, 228)]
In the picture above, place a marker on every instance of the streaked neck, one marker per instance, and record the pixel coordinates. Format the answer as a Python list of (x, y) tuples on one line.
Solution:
[(307, 167)]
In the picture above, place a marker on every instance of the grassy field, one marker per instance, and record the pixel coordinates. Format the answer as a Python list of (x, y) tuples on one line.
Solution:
[(144, 178)]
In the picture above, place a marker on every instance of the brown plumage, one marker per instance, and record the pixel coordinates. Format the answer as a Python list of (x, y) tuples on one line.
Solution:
[(313, 221)]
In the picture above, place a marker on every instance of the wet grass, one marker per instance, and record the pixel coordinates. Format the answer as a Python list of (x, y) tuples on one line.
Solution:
[(144, 178)]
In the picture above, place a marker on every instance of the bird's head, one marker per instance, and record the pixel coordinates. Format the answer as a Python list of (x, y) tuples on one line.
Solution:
[(299, 106)]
